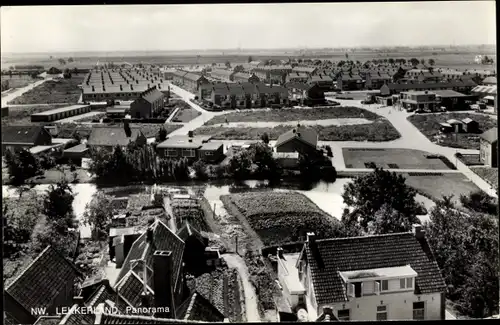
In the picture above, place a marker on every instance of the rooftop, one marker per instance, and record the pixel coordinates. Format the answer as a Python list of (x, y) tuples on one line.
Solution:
[(183, 141), (291, 274), (60, 110), (385, 272), (490, 135)]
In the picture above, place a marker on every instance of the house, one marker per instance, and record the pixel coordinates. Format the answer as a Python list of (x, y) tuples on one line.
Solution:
[(487, 94), (457, 126), (194, 81), (223, 75), (429, 76), (380, 277), (413, 100), (148, 105), (16, 137), (307, 70), (211, 151), (190, 146), (198, 308), (490, 81), (323, 81), (488, 148), (48, 282), (453, 100), (376, 79), (300, 139), (349, 81), (108, 137), (195, 245), (306, 94), (297, 77), (245, 77), (152, 273), (462, 85), (470, 126), (60, 113)]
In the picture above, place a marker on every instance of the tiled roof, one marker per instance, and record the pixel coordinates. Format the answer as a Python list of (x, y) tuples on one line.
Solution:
[(193, 76), (308, 135), (103, 293), (304, 69), (21, 133), (329, 256), (350, 77), (189, 231), (112, 136), (485, 89), (135, 319), (490, 135), (183, 141), (131, 287), (45, 320), (76, 318), (162, 239), (242, 75), (43, 280), (317, 78), (197, 308), (152, 95)]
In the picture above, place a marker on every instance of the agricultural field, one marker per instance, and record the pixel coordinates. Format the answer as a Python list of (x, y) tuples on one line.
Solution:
[(428, 124), (378, 131), (51, 91), (391, 158), (435, 186), (293, 114), (281, 217), (22, 115), (18, 81), (490, 175), (189, 210)]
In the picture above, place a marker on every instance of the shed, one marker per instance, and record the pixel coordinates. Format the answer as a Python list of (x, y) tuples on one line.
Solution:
[(456, 124), (470, 126), (445, 127)]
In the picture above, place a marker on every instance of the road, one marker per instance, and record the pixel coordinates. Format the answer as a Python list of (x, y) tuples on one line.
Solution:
[(251, 308), (19, 91)]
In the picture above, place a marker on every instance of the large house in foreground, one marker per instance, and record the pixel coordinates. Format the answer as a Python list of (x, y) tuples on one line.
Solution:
[(382, 277), (16, 137)]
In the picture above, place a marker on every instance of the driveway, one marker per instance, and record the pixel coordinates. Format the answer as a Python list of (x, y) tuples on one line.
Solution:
[(19, 91), (251, 308)]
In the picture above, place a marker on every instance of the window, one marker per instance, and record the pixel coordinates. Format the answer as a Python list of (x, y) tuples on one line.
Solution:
[(406, 283), (385, 285), (419, 310), (209, 153), (188, 153), (171, 153), (381, 312), (343, 314)]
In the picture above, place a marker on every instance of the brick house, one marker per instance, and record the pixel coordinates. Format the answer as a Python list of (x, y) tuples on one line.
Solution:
[(148, 105), (381, 277), (461, 85), (488, 148), (16, 137), (349, 81), (376, 79), (324, 82), (48, 282), (245, 77), (191, 147), (305, 93), (300, 139), (223, 75)]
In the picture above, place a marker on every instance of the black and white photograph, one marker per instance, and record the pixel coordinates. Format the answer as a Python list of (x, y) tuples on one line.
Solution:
[(249, 162)]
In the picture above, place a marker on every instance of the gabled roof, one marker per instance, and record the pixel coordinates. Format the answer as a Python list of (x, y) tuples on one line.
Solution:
[(43, 280), (44, 320), (106, 318), (307, 135), (193, 76), (112, 136), (152, 95), (222, 72), (305, 69), (188, 231), (318, 78), (491, 135), (21, 133), (468, 120), (197, 308), (162, 239), (328, 257), (432, 85), (130, 288), (490, 81)]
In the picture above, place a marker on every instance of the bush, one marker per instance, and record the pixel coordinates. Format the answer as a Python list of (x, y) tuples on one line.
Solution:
[(200, 169), (479, 201)]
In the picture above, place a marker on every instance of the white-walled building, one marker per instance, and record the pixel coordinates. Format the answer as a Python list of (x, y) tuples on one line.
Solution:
[(382, 277)]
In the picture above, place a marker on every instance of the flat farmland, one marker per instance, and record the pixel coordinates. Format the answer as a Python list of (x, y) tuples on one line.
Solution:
[(18, 81), (52, 91), (280, 217)]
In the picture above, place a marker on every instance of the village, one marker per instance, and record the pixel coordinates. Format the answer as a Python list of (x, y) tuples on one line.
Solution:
[(250, 188)]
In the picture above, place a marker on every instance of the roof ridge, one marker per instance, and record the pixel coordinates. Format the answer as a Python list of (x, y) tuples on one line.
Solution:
[(359, 237)]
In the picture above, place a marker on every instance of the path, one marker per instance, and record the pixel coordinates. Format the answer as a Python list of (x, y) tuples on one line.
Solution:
[(172, 115), (251, 307), (20, 91)]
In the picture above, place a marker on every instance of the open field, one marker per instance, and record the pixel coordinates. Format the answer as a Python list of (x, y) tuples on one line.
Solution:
[(435, 186), (185, 115), (293, 114), (62, 91), (391, 158), (428, 124), (378, 131), (490, 175), (18, 81), (281, 217), (22, 115)]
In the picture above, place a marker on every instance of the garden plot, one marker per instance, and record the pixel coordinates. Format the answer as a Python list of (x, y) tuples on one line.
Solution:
[(280, 217), (52, 91)]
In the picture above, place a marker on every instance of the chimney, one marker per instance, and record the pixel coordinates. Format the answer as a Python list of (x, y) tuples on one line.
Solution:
[(311, 237), (93, 89), (418, 232), (149, 235), (163, 284), (148, 86), (190, 134), (131, 87), (137, 81), (280, 252), (121, 87)]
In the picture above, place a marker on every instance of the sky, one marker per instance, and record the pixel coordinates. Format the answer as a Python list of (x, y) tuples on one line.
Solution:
[(249, 26)]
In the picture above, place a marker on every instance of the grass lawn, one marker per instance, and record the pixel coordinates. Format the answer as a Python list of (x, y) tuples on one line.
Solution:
[(279, 218), (52, 176), (18, 81), (185, 115), (435, 186), (62, 91), (293, 114), (428, 124), (390, 158), (378, 131), (490, 175), (22, 115)]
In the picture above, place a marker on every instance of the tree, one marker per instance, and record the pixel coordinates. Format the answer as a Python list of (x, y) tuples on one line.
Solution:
[(200, 169), (432, 62), (62, 61), (265, 138), (388, 220), (250, 59), (161, 135), (21, 165), (422, 61), (98, 214), (57, 206), (70, 60), (479, 201), (228, 64), (391, 61), (66, 74), (369, 193), (262, 156), (239, 165), (414, 61), (347, 56), (403, 61)]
